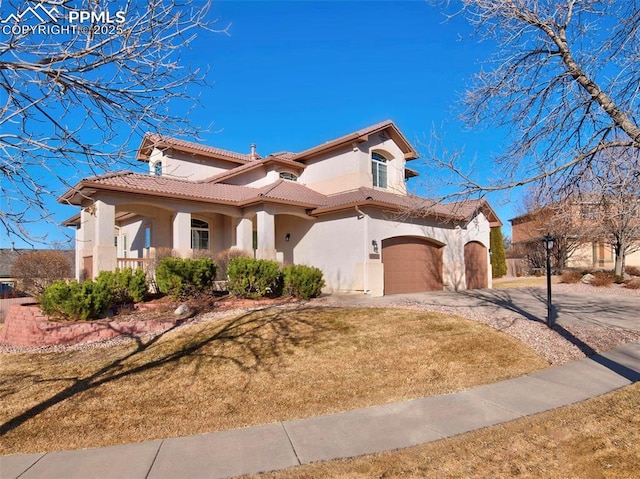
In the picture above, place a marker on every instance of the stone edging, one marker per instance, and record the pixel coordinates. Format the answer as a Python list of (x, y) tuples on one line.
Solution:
[(27, 325)]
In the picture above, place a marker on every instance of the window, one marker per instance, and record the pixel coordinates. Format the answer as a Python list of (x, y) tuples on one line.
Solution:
[(199, 234), (285, 175), (157, 168), (147, 237), (589, 211), (379, 170)]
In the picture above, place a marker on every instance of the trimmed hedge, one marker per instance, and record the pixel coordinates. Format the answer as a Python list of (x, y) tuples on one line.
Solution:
[(253, 278), (301, 281), (76, 301), (183, 278)]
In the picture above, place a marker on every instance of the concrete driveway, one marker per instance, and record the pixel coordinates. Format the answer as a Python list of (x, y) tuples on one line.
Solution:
[(569, 308), (600, 310)]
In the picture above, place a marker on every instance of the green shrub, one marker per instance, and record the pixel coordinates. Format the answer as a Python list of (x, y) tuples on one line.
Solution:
[(185, 278), (302, 281), (570, 277), (126, 286), (76, 301), (253, 278), (498, 254)]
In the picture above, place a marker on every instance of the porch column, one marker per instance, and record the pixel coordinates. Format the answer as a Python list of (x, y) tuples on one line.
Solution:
[(266, 236), (104, 249), (84, 244), (244, 235), (182, 234)]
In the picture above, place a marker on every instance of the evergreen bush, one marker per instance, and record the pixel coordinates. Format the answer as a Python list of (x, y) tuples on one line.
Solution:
[(498, 254), (301, 281), (126, 286), (76, 301), (253, 278), (185, 278)]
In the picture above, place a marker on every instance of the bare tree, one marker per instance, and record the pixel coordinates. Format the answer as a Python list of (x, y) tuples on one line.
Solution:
[(78, 82), (564, 83), (609, 193)]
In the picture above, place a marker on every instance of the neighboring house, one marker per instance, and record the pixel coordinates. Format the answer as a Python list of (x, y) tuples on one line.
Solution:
[(574, 224), (341, 206)]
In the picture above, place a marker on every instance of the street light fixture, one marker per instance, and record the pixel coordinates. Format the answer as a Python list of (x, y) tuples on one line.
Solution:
[(548, 245)]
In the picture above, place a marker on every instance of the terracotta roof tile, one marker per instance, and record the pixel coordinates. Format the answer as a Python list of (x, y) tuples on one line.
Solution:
[(292, 192), (135, 182), (153, 139)]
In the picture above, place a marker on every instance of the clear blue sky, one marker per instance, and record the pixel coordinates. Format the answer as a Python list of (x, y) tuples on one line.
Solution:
[(293, 74)]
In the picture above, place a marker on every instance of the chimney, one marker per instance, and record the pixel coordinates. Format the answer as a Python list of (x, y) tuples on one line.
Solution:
[(254, 156)]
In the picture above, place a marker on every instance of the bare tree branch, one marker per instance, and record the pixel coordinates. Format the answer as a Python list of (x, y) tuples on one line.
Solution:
[(74, 94), (564, 83)]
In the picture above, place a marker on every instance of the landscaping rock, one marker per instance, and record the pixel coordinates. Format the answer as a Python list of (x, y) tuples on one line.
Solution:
[(626, 277), (587, 278), (182, 309)]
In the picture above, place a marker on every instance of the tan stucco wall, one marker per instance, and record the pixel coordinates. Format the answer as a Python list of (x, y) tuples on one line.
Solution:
[(187, 167), (350, 168)]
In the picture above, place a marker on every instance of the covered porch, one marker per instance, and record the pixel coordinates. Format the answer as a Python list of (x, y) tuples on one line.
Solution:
[(114, 231)]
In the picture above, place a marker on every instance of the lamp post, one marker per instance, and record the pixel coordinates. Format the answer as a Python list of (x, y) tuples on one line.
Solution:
[(548, 246)]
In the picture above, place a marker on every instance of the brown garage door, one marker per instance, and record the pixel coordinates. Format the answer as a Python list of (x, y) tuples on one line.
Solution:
[(411, 265), (475, 265)]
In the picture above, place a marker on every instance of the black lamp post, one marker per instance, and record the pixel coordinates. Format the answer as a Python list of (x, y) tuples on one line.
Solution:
[(548, 245)]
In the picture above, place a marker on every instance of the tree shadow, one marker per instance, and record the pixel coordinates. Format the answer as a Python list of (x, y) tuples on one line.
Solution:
[(504, 300), (259, 334)]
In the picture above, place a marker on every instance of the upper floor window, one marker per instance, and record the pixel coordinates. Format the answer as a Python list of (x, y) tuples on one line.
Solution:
[(379, 170), (199, 234), (157, 168), (285, 175)]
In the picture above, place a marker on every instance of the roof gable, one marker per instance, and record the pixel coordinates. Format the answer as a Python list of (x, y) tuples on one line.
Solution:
[(153, 140), (386, 127)]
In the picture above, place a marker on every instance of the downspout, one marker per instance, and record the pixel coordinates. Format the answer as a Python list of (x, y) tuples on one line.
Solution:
[(365, 269)]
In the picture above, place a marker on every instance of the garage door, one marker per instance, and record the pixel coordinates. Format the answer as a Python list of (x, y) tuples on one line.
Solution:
[(411, 265), (475, 265)]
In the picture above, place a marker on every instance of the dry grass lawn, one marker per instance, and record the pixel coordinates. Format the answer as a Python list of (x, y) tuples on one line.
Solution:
[(524, 282), (599, 438), (268, 366)]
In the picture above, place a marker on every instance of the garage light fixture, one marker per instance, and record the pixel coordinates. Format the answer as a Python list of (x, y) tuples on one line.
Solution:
[(374, 243)]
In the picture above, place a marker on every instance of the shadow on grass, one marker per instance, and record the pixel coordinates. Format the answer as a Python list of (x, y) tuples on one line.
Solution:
[(261, 334), (504, 300)]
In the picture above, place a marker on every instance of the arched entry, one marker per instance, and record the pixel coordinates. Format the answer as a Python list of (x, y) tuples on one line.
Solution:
[(411, 265), (476, 265)]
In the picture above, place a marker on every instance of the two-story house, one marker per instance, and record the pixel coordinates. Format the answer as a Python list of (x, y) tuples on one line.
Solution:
[(341, 206)]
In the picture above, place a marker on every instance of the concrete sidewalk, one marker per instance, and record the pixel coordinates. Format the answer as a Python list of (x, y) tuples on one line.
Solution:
[(364, 431)]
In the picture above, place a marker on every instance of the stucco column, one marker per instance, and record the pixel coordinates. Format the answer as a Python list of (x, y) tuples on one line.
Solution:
[(182, 234), (244, 234), (104, 249), (266, 236), (84, 243)]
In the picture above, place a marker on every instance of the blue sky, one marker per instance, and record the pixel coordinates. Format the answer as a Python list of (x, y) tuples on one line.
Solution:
[(293, 74)]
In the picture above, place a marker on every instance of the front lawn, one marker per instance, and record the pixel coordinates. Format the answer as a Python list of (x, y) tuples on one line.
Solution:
[(262, 367)]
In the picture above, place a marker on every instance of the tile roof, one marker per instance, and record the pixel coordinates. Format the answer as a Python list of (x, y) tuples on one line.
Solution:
[(281, 191), (361, 135), (163, 186), (154, 140), (291, 191), (250, 166)]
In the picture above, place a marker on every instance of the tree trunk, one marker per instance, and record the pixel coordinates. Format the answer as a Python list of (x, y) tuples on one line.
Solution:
[(619, 251)]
